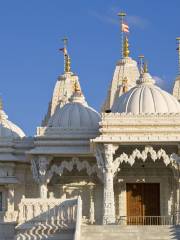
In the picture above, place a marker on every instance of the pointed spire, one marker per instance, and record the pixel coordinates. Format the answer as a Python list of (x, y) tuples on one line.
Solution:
[(145, 77), (77, 95), (126, 51), (178, 50)]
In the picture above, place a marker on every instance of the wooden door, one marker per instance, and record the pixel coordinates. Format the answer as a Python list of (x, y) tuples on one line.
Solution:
[(143, 199), (151, 199)]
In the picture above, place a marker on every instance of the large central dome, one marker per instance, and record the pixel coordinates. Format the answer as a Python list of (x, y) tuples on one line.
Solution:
[(146, 97)]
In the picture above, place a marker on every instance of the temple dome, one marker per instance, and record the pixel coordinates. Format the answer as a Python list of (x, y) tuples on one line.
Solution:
[(146, 97), (9, 129), (75, 115)]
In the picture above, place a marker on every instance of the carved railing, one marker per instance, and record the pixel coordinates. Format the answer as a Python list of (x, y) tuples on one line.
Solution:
[(77, 233), (146, 220), (50, 210)]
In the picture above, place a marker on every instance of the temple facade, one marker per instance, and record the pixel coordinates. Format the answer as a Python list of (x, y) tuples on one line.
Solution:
[(119, 167)]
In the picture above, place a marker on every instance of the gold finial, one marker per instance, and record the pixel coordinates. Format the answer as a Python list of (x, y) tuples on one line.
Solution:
[(125, 85), (67, 60), (178, 50), (67, 64), (145, 67), (126, 51), (1, 103)]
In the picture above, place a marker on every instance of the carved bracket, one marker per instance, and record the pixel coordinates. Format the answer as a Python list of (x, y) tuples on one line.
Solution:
[(104, 155), (39, 166)]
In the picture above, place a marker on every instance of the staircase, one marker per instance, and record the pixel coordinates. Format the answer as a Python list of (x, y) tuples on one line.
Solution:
[(44, 231), (48, 219), (117, 232)]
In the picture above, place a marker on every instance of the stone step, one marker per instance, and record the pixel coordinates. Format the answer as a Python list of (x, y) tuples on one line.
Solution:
[(115, 232), (60, 236)]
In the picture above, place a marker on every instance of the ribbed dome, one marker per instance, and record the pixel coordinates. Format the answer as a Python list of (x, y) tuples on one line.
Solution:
[(75, 115), (146, 98), (9, 129)]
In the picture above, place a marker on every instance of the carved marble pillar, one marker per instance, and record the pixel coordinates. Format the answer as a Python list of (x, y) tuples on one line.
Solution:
[(108, 200), (11, 214), (104, 156), (91, 211), (10, 201), (43, 190)]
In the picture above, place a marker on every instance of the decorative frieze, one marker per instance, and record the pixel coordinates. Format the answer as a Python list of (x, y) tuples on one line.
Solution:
[(69, 165)]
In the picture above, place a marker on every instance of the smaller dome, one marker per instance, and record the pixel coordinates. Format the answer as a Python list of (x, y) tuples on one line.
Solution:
[(146, 97), (75, 115), (9, 129)]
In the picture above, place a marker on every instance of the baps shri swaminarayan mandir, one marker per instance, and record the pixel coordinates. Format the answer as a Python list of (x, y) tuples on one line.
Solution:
[(89, 175)]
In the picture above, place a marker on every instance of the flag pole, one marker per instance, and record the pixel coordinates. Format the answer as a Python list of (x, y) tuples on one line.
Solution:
[(178, 49), (65, 41), (122, 15)]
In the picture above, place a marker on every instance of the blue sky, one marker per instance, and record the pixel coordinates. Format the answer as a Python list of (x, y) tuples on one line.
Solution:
[(31, 32)]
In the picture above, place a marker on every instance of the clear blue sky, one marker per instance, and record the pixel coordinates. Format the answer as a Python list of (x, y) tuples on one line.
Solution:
[(31, 32)]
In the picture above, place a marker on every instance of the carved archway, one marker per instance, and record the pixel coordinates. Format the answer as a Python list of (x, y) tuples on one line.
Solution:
[(174, 159), (69, 165)]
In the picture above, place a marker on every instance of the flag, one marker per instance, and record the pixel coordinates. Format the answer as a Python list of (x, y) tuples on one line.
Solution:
[(125, 28), (64, 50)]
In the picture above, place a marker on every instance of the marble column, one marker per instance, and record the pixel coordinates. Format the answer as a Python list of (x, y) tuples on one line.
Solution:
[(91, 211), (105, 160), (10, 202), (108, 201), (10, 213), (43, 190)]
